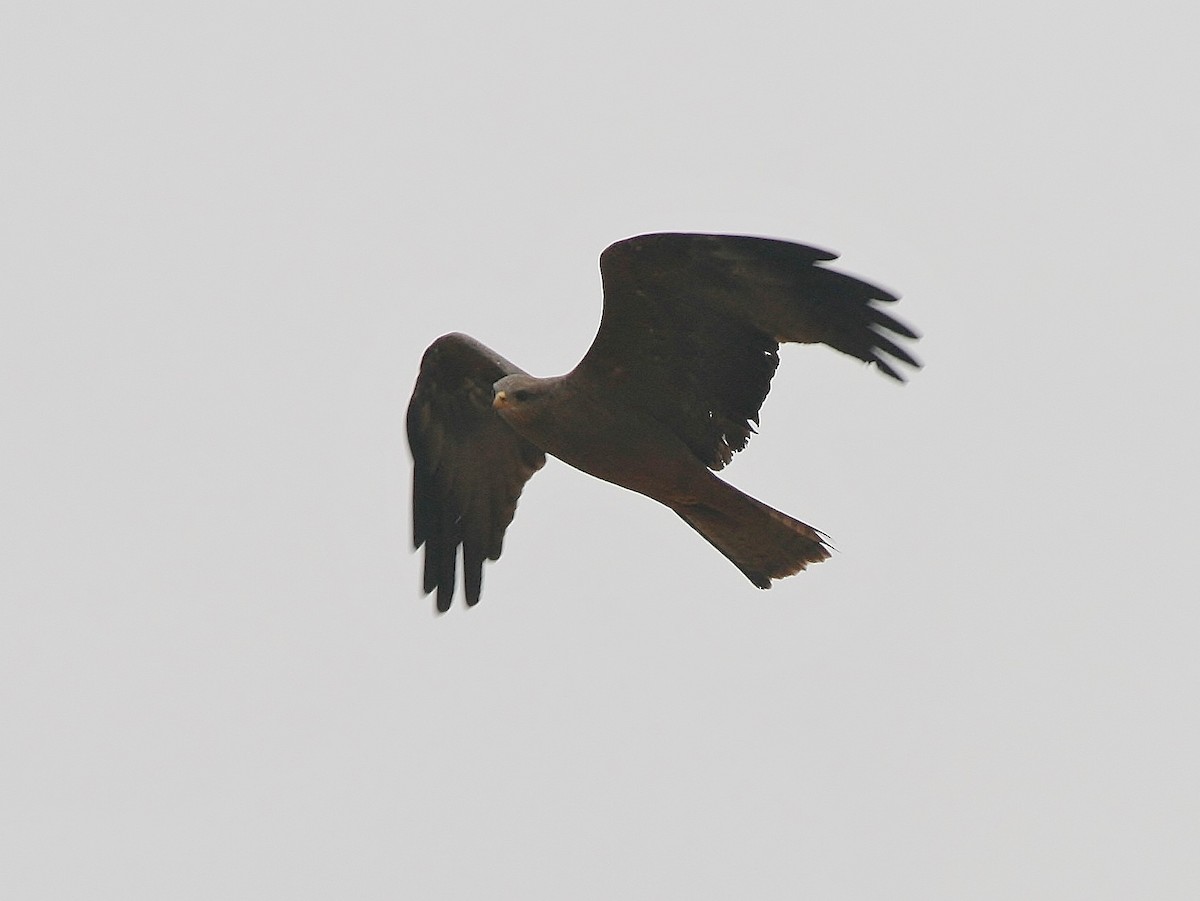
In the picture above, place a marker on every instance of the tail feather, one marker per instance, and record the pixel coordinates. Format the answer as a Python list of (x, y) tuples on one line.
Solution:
[(759, 540)]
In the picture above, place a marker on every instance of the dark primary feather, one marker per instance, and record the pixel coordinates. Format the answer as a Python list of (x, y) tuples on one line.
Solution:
[(469, 467), (692, 325)]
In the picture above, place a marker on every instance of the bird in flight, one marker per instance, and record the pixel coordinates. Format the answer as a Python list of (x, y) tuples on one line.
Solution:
[(669, 390)]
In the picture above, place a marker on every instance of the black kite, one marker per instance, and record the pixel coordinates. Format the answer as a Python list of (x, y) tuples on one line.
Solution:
[(668, 391)]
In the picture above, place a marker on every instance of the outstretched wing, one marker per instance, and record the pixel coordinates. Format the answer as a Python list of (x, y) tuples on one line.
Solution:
[(468, 466), (692, 325)]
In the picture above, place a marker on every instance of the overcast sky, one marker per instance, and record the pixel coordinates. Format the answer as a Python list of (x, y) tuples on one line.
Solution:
[(229, 230)]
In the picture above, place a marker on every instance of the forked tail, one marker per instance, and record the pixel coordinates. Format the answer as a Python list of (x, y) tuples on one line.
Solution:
[(759, 540)]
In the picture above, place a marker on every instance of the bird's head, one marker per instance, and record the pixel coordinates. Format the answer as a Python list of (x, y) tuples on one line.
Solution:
[(514, 394)]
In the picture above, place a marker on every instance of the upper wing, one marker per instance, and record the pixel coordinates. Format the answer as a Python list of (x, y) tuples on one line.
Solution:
[(692, 326), (468, 466)]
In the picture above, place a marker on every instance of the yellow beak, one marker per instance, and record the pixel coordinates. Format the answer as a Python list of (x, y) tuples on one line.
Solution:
[(499, 400)]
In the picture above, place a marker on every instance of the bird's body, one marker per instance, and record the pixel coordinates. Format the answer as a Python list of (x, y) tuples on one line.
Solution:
[(666, 394), (611, 442), (633, 450)]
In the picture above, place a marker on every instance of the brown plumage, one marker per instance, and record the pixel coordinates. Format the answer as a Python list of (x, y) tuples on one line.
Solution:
[(669, 390)]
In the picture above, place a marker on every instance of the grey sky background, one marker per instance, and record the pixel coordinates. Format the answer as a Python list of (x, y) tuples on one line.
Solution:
[(230, 230)]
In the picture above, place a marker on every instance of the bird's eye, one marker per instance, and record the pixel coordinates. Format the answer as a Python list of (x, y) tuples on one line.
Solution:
[(521, 395)]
